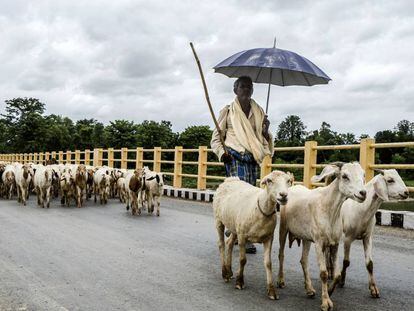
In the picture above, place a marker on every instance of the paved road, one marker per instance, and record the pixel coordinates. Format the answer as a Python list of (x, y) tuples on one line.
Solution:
[(102, 258)]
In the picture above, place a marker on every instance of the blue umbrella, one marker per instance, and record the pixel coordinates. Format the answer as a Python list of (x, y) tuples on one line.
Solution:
[(272, 66)]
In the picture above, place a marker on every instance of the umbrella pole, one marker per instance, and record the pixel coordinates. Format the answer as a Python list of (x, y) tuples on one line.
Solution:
[(207, 97), (270, 81), (268, 91)]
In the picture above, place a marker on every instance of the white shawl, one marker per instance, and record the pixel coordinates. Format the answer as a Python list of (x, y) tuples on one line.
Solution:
[(251, 140)]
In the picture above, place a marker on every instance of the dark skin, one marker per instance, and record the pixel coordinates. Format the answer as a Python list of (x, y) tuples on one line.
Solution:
[(244, 91)]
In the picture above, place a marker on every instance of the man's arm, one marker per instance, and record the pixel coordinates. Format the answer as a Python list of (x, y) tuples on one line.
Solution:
[(267, 135), (215, 139), (265, 128)]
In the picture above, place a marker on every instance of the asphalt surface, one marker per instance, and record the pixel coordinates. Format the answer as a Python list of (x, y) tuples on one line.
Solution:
[(102, 258)]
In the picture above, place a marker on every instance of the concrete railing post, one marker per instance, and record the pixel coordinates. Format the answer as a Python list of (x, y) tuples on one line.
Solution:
[(202, 168), (178, 167), (265, 167), (139, 158), (367, 157), (111, 157), (87, 157), (310, 159), (124, 158), (157, 159), (77, 156)]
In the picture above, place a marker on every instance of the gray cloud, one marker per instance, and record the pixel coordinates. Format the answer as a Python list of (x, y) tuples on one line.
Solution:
[(131, 59)]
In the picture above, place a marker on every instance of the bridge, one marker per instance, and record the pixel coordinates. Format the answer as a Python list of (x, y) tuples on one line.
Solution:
[(102, 258), (136, 158)]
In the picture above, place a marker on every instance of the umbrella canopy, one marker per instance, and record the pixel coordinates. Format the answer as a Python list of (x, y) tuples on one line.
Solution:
[(274, 66)]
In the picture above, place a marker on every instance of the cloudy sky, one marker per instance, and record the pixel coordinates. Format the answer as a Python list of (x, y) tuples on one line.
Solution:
[(131, 59)]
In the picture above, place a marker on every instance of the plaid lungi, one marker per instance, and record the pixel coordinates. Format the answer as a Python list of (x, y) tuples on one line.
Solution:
[(243, 166)]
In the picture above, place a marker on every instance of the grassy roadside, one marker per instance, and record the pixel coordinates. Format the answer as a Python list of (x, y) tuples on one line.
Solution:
[(399, 206)]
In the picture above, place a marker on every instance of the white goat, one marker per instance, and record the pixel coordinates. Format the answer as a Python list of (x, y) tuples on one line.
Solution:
[(102, 183), (314, 216), (23, 178), (121, 189), (249, 213), (358, 219), (9, 180), (152, 190), (43, 180), (67, 186)]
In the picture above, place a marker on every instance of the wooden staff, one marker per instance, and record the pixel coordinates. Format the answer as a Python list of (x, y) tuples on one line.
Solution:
[(207, 97)]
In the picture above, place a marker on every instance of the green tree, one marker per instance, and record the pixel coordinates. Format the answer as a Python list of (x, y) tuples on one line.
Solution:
[(99, 135), (194, 136), (152, 133), (405, 130), (19, 108), (291, 132), (58, 133), (387, 136), (3, 137), (85, 132), (121, 133), (25, 123)]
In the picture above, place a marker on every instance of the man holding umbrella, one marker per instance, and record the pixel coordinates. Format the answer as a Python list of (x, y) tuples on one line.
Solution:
[(245, 130)]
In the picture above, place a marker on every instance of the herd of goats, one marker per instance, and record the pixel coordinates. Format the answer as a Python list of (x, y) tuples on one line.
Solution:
[(77, 182), (342, 210)]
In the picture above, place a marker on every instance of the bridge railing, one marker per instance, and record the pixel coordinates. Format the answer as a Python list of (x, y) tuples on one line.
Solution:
[(140, 157)]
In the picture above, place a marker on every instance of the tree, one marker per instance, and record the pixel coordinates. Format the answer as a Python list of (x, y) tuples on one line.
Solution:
[(291, 132), (58, 133), (194, 136), (152, 133), (405, 130), (24, 122), (86, 132), (3, 137), (387, 136), (121, 133), (18, 108)]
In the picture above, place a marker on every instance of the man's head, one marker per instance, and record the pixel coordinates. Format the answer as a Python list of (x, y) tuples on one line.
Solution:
[(243, 88)]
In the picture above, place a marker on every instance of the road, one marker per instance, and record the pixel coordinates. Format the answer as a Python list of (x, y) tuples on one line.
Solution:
[(102, 258)]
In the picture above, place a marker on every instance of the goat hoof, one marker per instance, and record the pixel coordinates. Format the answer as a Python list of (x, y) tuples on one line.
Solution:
[(281, 284), (311, 293), (240, 282), (127, 208), (327, 305), (226, 273), (158, 213), (271, 292), (374, 291)]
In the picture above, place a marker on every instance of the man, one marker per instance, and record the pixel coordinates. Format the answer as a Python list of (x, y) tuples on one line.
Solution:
[(245, 129)]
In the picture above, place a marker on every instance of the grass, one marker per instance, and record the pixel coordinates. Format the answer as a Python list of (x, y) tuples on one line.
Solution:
[(398, 206)]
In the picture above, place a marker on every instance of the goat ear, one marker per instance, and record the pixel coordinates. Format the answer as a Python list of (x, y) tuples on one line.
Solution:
[(381, 190), (379, 171), (292, 177), (328, 171), (265, 181), (338, 164)]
